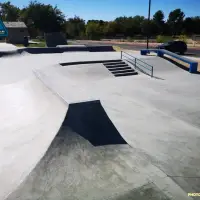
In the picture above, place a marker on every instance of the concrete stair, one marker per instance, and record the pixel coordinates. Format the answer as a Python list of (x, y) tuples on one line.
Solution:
[(119, 68)]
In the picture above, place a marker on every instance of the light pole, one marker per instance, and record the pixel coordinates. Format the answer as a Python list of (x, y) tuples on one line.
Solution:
[(148, 30)]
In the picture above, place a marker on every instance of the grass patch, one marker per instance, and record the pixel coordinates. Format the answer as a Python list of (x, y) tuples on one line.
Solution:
[(117, 48), (38, 40), (163, 39)]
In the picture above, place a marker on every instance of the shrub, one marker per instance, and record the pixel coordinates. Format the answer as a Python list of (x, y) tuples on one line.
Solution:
[(182, 38), (163, 39), (129, 39)]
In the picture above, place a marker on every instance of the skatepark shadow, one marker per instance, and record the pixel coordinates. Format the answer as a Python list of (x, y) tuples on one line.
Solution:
[(145, 192), (189, 54), (90, 121), (178, 64), (143, 71)]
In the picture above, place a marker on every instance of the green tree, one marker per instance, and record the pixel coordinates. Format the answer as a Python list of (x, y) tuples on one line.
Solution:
[(75, 27), (45, 18), (189, 26), (196, 27), (175, 21), (93, 30), (148, 27), (9, 12), (158, 19), (129, 26)]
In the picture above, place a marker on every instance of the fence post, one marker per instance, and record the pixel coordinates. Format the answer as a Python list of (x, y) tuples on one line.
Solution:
[(152, 73), (135, 64)]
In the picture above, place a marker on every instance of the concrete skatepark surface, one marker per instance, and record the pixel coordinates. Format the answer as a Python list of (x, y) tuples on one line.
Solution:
[(45, 155)]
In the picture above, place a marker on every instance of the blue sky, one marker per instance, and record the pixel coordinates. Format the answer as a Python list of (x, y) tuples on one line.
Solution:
[(110, 9)]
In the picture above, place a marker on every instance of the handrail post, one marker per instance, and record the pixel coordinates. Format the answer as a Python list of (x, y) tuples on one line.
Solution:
[(152, 73), (135, 64), (121, 54)]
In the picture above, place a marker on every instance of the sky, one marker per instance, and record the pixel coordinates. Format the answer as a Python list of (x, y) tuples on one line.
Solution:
[(110, 9)]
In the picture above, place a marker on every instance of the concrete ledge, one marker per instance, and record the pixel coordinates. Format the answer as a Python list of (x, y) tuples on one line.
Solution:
[(160, 52), (86, 62), (100, 48)]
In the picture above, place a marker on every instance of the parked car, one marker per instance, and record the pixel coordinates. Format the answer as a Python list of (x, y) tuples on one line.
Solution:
[(174, 46)]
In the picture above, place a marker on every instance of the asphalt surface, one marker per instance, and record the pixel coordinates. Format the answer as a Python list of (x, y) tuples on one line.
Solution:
[(191, 51)]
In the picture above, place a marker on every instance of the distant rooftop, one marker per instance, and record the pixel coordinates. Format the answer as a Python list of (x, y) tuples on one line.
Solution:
[(15, 25)]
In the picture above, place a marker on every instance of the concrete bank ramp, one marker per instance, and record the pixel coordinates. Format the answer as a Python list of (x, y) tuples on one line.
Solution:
[(31, 116)]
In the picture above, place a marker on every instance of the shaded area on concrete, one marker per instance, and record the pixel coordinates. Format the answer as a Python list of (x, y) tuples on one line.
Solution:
[(90, 120), (67, 48), (40, 50), (62, 49), (8, 53), (88, 62), (100, 48), (145, 192), (73, 169)]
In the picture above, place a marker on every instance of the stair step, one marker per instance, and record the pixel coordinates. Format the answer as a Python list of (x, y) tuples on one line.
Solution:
[(123, 71), (119, 68), (126, 74), (114, 63), (110, 61), (115, 66)]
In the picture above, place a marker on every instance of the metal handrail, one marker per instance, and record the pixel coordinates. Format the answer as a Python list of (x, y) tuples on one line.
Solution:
[(136, 62)]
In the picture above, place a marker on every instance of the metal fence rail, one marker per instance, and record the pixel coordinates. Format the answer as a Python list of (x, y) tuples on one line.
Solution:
[(139, 64)]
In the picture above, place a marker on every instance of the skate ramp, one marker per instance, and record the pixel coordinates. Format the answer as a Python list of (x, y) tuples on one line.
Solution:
[(164, 69), (55, 38), (31, 116)]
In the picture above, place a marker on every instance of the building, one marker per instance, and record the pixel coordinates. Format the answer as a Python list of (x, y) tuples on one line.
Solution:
[(16, 32)]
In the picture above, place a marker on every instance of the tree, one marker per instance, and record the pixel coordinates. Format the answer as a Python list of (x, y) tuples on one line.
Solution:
[(196, 26), (188, 25), (9, 12), (148, 27), (175, 21), (129, 26), (158, 19), (44, 17), (93, 30), (75, 27)]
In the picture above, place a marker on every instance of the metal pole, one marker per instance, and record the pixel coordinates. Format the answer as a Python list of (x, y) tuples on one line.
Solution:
[(149, 13), (135, 64)]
